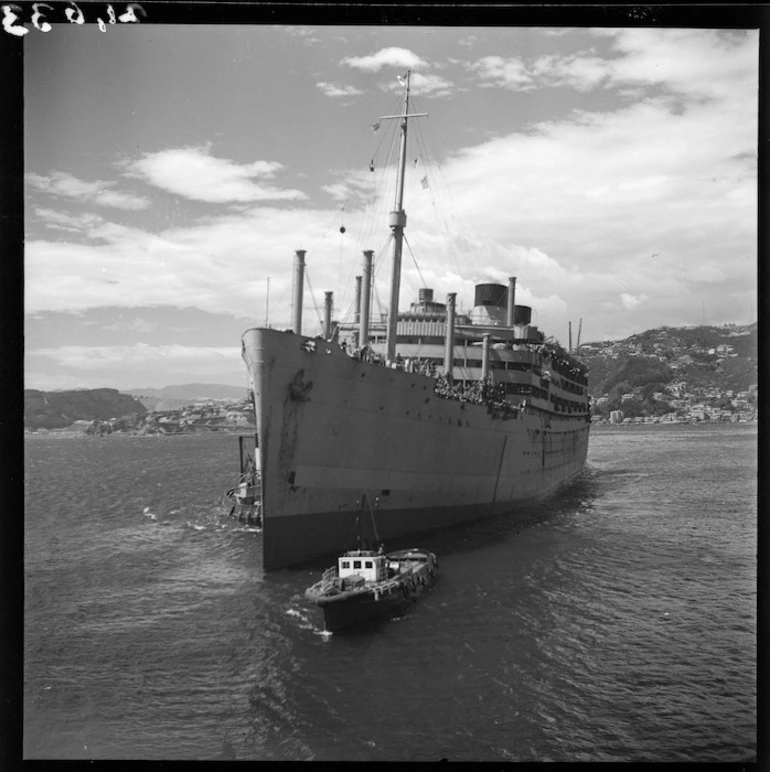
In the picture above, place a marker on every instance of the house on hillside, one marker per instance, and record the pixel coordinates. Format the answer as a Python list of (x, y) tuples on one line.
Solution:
[(236, 417)]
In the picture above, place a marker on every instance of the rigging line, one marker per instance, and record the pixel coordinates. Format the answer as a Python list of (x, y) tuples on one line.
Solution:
[(436, 205), (371, 510), (391, 135), (278, 303), (382, 182), (414, 260), (321, 239), (379, 262), (450, 236), (436, 202), (344, 291), (391, 111), (342, 240), (312, 295), (348, 281), (372, 205), (443, 178), (377, 299), (350, 310)]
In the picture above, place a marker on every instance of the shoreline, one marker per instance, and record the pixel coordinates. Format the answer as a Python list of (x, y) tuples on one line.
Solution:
[(75, 433), (67, 432)]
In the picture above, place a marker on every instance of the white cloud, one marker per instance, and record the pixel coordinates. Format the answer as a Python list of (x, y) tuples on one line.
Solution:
[(691, 63), (56, 380), (219, 265), (65, 221), (579, 71), (509, 73), (354, 186), (125, 366), (385, 57), (468, 40), (632, 301), (697, 63), (307, 34), (709, 274), (582, 71), (336, 90), (98, 192), (194, 173), (136, 355), (132, 325)]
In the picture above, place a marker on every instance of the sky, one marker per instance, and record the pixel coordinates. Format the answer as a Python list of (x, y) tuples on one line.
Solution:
[(172, 171)]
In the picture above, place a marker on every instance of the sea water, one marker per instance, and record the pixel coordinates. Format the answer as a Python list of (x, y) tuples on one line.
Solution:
[(619, 625)]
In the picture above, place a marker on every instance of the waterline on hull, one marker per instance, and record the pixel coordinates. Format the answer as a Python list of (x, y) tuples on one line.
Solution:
[(303, 538)]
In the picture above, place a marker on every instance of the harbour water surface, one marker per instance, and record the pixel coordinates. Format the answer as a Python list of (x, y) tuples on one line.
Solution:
[(620, 625)]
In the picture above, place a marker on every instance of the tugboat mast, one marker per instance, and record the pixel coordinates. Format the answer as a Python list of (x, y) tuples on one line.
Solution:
[(397, 221)]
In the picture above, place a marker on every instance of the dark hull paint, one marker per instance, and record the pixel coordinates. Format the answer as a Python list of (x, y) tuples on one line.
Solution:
[(358, 609), (300, 538)]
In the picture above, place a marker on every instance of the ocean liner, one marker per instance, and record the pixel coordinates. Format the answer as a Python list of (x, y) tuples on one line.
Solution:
[(426, 418)]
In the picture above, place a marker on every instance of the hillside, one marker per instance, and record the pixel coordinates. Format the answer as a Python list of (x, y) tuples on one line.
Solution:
[(192, 392), (177, 397), (667, 369), (59, 409)]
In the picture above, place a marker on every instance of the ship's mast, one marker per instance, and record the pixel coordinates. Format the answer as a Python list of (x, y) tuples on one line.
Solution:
[(397, 221)]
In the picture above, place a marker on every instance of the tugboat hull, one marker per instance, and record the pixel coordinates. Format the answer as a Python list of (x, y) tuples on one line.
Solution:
[(361, 609)]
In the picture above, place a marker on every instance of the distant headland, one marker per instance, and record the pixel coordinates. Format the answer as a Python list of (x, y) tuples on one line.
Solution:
[(172, 410)]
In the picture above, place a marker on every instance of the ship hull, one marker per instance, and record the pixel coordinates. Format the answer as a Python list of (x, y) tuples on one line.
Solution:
[(338, 437)]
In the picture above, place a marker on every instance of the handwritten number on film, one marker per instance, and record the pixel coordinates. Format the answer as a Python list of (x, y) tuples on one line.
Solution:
[(12, 21)]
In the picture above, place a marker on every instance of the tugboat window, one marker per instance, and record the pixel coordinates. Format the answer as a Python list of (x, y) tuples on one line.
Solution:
[(369, 564), (356, 564), (346, 564)]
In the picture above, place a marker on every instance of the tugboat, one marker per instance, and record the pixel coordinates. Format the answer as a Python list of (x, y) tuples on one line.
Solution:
[(244, 501), (367, 584)]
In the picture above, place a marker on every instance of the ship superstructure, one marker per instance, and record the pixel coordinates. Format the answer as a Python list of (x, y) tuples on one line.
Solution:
[(427, 417)]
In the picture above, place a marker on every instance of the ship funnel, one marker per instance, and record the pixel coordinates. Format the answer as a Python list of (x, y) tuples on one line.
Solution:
[(522, 315), (328, 302), (358, 300), (299, 280), (366, 292), (490, 295), (426, 296), (489, 305), (449, 351), (511, 301)]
